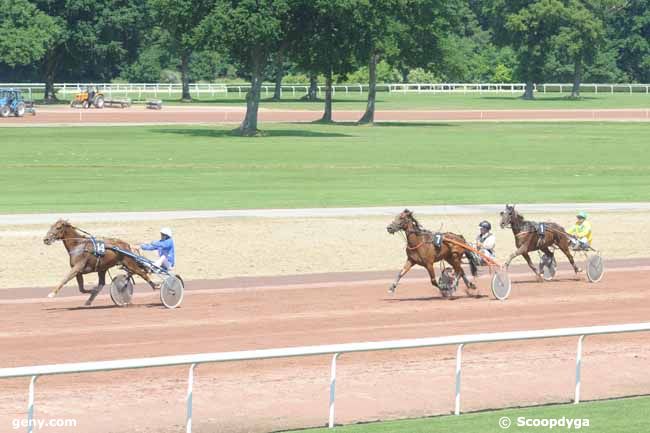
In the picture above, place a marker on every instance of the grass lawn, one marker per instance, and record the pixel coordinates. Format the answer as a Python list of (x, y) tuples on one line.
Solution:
[(611, 416), (438, 101), (307, 165), (425, 101)]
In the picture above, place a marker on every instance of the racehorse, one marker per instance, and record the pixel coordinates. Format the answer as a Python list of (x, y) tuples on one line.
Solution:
[(527, 238), (85, 260), (421, 250)]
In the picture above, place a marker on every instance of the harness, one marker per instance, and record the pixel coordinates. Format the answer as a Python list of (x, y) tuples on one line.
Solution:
[(436, 240)]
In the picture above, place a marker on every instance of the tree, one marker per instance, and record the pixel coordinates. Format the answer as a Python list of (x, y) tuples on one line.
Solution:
[(631, 31), (322, 40), (529, 26), (25, 33), (409, 30), (581, 36), (379, 27), (250, 31), (97, 38), (182, 19)]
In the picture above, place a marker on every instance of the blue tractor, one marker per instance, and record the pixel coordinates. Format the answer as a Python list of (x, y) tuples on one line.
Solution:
[(12, 102)]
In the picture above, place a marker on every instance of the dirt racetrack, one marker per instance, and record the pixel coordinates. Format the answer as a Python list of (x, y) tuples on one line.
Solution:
[(204, 114), (281, 394)]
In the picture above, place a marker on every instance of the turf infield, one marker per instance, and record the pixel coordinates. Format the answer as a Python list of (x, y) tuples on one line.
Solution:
[(307, 165), (610, 416)]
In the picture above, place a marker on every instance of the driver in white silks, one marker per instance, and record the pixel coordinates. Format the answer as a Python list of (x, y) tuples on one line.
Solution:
[(165, 248), (486, 241)]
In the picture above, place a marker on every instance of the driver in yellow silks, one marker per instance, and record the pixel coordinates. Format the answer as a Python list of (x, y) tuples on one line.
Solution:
[(581, 231)]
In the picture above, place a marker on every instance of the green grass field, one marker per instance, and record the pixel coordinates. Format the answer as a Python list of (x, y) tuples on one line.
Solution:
[(415, 101), (305, 165), (437, 101), (611, 416)]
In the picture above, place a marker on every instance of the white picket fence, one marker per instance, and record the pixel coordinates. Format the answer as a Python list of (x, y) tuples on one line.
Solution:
[(157, 90), (336, 350)]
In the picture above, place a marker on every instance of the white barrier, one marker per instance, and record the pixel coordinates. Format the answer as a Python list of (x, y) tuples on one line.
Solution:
[(213, 89), (336, 350)]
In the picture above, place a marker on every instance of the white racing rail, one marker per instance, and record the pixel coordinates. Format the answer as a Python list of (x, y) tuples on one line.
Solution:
[(336, 350), (156, 90)]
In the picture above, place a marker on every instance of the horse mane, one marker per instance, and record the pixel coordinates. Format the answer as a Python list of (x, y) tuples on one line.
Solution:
[(419, 227)]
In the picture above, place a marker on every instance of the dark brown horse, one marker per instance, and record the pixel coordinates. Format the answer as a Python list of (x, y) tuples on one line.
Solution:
[(420, 250), (527, 238), (81, 249)]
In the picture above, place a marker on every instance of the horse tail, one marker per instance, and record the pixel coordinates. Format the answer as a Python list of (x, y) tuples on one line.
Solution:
[(472, 266)]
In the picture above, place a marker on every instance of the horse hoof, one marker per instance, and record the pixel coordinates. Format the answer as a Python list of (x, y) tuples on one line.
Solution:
[(51, 295), (87, 303)]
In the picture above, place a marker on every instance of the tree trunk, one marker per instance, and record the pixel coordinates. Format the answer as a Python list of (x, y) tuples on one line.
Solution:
[(369, 115), (50, 65), (185, 76), (312, 93), (577, 77), (528, 93), (279, 74), (327, 114), (248, 126)]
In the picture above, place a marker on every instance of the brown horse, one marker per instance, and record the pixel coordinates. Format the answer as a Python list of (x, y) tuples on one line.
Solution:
[(81, 249), (420, 250), (527, 238)]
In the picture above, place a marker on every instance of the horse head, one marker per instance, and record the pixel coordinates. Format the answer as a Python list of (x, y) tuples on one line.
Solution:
[(400, 222), (56, 232), (508, 216)]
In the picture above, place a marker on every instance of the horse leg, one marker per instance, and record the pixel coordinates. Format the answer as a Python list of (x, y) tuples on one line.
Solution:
[(76, 269), (407, 267), (430, 267), (460, 273), (567, 252), (80, 283), (134, 269), (530, 264), (96, 290)]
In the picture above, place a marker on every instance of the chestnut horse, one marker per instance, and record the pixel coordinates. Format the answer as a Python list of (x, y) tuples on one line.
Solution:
[(81, 250), (527, 238), (420, 250)]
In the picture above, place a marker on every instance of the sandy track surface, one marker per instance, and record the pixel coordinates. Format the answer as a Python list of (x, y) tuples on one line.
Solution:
[(202, 114), (280, 394), (213, 248)]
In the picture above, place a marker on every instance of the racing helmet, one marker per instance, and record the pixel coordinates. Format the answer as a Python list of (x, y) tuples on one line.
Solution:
[(166, 231), (485, 225), (582, 215)]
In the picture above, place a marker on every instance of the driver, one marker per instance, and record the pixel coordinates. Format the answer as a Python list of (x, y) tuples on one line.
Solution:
[(165, 248), (486, 240), (581, 231)]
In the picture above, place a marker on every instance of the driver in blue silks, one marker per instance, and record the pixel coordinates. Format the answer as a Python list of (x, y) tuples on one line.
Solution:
[(165, 248)]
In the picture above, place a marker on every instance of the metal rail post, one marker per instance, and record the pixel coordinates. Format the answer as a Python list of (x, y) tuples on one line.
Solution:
[(576, 398), (190, 384), (30, 405), (332, 390), (459, 355)]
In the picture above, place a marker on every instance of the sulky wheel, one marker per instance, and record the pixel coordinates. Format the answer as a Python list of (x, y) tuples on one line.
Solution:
[(171, 291), (595, 268), (121, 290), (501, 285)]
